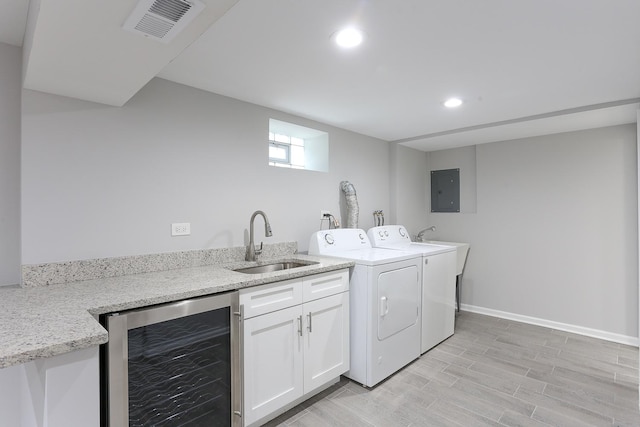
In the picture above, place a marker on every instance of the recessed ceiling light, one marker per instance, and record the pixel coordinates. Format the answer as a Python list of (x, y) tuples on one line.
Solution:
[(453, 102), (349, 37)]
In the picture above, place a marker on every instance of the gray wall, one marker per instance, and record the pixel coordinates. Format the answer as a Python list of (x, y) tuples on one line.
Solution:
[(555, 233), (463, 158), (408, 188), (552, 220), (10, 84), (101, 181)]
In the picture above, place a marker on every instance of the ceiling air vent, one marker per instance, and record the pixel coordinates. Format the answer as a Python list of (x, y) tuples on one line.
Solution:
[(162, 20)]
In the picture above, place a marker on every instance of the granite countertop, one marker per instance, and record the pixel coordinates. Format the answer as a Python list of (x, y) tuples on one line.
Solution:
[(40, 322)]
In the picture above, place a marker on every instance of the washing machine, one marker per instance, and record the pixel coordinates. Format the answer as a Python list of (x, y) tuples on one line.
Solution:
[(384, 300), (438, 278)]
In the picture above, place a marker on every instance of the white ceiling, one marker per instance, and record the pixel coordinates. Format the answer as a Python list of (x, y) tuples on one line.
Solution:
[(524, 68), (78, 48)]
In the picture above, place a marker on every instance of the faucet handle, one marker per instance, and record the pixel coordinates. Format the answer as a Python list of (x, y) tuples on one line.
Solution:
[(259, 250)]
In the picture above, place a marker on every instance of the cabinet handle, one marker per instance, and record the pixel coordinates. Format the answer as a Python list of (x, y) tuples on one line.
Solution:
[(309, 315), (300, 325)]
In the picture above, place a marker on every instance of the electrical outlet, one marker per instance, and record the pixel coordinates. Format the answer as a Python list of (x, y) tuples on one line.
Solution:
[(323, 213), (181, 229)]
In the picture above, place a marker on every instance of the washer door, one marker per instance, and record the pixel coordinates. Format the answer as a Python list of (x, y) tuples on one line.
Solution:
[(398, 300)]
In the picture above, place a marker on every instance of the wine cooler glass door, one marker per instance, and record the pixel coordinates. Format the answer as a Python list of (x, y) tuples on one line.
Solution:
[(172, 365)]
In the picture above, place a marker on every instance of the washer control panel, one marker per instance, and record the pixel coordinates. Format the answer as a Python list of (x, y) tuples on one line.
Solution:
[(388, 234)]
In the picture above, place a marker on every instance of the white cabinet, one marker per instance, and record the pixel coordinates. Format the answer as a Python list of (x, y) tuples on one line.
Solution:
[(295, 340), (272, 362), (438, 299), (61, 391), (326, 341)]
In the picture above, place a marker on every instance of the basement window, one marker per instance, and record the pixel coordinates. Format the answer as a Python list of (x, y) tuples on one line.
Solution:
[(286, 151), (297, 147)]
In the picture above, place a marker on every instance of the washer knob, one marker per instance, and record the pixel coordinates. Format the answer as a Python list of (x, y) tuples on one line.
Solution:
[(329, 239), (361, 236), (401, 231), (380, 233), (386, 233)]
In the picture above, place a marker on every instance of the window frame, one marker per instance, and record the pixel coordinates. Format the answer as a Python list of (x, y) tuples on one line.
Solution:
[(285, 147), (305, 148)]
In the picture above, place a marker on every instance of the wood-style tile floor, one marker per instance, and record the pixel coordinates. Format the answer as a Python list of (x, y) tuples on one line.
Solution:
[(492, 372)]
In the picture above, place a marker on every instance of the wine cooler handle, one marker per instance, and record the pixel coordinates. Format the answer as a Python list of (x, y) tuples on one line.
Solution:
[(238, 421)]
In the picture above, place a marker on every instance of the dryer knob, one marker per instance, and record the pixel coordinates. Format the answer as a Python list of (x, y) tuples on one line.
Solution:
[(329, 239), (401, 231)]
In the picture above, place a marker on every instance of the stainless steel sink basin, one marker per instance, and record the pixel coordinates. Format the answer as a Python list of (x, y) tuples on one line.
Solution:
[(276, 266)]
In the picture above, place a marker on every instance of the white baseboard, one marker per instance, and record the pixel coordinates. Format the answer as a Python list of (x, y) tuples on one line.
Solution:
[(580, 330)]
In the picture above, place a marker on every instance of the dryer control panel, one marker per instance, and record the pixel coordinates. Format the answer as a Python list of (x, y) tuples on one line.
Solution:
[(325, 242)]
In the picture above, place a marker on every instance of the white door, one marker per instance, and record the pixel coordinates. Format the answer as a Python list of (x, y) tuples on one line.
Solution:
[(398, 301), (272, 362), (438, 299), (394, 336), (326, 340)]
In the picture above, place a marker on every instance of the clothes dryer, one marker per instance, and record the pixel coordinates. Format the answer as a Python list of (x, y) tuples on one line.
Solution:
[(438, 278), (384, 310)]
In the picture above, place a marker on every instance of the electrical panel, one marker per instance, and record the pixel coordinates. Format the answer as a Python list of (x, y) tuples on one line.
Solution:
[(445, 190)]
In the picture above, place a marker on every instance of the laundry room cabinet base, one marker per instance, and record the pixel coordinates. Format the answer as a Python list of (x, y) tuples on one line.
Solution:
[(295, 342), (60, 391)]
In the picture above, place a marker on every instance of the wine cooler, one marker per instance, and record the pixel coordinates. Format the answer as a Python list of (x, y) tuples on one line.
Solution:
[(175, 364)]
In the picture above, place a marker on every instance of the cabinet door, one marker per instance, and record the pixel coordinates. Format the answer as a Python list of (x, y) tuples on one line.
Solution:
[(438, 299), (272, 362), (326, 339)]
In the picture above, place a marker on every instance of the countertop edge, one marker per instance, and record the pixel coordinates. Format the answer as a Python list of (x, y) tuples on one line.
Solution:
[(46, 352), (83, 314)]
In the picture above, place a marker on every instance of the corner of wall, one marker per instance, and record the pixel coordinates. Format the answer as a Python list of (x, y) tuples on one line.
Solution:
[(10, 163), (393, 182), (408, 187)]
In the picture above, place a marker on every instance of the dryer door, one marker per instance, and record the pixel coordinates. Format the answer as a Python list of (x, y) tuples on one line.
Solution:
[(398, 300)]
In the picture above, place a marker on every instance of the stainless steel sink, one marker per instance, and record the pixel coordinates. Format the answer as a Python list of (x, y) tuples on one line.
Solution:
[(276, 266)]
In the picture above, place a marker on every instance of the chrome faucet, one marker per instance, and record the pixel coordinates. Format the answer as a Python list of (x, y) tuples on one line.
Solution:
[(421, 233), (251, 249)]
